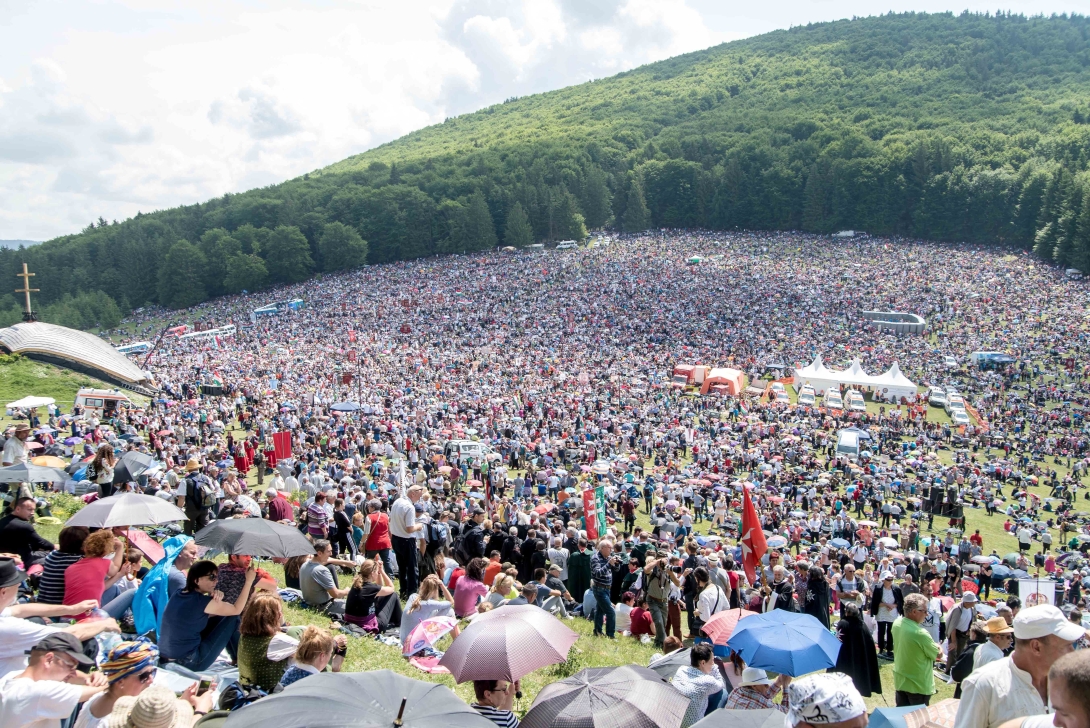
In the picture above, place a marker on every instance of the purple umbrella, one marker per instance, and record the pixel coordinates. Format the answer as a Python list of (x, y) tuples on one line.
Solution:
[(507, 643)]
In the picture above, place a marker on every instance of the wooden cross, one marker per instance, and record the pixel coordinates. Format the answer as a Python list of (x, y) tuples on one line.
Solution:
[(28, 315)]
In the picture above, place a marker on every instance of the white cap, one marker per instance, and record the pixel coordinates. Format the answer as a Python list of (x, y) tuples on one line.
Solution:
[(1033, 623), (754, 676), (968, 598), (887, 575), (823, 698)]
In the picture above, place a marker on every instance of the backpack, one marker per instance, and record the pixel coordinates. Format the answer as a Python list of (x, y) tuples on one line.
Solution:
[(434, 537), (237, 695), (199, 492), (460, 551)]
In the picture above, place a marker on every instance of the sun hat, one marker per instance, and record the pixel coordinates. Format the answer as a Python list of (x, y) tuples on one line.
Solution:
[(968, 598), (754, 676), (156, 707), (1034, 623), (192, 465), (998, 625)]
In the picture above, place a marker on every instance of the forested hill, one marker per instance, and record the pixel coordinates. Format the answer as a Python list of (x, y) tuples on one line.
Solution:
[(968, 127)]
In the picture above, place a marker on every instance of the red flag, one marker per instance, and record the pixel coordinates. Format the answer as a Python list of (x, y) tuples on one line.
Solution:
[(590, 521), (753, 539)]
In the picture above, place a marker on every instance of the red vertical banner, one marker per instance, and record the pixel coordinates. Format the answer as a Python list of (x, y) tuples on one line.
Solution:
[(753, 538), (352, 336), (282, 445), (590, 514)]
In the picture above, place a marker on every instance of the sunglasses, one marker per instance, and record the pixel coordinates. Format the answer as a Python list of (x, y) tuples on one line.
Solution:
[(146, 677), (213, 577)]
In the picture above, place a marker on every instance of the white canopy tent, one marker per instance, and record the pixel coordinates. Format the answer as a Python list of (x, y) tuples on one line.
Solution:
[(891, 386)]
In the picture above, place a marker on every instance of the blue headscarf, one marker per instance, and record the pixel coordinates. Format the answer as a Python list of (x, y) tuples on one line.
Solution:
[(129, 658), (151, 597)]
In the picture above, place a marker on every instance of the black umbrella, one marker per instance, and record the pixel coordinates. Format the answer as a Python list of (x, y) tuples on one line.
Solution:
[(132, 465), (360, 700), (668, 664), (254, 537), (629, 695), (764, 718)]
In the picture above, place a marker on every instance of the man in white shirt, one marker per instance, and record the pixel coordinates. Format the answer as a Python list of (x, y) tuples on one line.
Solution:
[(1017, 686), (15, 447), (51, 686), (19, 635), (403, 530), (1000, 635)]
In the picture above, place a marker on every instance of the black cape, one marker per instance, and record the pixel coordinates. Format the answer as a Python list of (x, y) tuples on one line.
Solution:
[(857, 657)]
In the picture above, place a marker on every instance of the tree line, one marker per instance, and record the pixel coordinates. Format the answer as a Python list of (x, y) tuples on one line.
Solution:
[(958, 128)]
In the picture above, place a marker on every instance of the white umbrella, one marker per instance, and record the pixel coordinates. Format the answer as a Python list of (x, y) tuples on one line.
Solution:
[(250, 505), (28, 402), (127, 509)]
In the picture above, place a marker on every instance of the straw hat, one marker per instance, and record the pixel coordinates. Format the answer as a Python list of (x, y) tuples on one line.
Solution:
[(998, 625), (156, 707), (192, 465)]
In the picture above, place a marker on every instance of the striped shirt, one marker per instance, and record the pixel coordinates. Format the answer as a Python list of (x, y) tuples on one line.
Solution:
[(51, 586), (502, 718)]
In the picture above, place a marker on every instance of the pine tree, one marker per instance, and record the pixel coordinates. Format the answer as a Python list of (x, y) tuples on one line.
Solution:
[(181, 277), (517, 232), (637, 217), (596, 198), (480, 232), (1080, 257)]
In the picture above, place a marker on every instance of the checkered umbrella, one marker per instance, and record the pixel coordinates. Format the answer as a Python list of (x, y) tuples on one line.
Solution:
[(629, 695), (507, 643)]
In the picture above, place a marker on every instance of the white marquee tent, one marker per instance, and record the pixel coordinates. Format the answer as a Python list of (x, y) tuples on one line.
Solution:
[(891, 385)]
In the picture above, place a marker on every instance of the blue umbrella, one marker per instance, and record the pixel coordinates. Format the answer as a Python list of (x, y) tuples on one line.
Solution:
[(839, 543), (785, 642), (890, 717), (345, 407)]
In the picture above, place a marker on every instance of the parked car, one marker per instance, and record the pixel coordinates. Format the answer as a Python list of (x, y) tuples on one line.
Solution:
[(781, 397), (950, 362), (936, 397), (960, 417), (955, 404), (833, 400), (807, 396)]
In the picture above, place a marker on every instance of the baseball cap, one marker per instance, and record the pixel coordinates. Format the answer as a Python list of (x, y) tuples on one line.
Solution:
[(754, 676), (887, 575), (554, 567), (1033, 623), (10, 574), (64, 643), (478, 512)]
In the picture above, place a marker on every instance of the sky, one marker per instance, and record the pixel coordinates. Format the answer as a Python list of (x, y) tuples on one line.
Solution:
[(108, 108)]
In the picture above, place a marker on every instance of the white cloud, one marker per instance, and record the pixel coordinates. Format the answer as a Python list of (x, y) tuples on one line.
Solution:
[(126, 105)]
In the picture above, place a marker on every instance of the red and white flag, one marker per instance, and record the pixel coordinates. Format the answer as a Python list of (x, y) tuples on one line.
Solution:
[(753, 538)]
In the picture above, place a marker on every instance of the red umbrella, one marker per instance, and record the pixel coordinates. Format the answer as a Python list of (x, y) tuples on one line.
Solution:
[(474, 483), (508, 643), (544, 508), (721, 626), (969, 585), (164, 432)]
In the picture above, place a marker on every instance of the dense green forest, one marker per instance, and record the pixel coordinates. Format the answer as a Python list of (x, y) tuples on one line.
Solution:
[(959, 128)]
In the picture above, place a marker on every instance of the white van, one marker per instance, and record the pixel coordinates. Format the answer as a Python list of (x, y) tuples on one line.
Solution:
[(847, 445), (566, 245), (466, 449)]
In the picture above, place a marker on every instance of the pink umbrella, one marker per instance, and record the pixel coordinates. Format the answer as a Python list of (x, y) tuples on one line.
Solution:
[(427, 633), (721, 626), (508, 643)]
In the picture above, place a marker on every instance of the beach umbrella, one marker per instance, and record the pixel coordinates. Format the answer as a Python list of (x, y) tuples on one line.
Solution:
[(376, 699), (31, 402), (508, 643), (30, 473), (839, 543), (50, 461), (427, 632), (127, 509), (345, 407), (760, 718), (667, 665), (254, 537), (721, 626), (785, 642), (132, 465), (629, 695)]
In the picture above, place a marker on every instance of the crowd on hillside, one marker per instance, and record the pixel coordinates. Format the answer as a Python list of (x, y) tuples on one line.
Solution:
[(444, 417)]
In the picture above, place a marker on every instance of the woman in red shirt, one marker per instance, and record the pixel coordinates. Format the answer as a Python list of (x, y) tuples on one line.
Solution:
[(376, 529), (641, 622), (89, 577)]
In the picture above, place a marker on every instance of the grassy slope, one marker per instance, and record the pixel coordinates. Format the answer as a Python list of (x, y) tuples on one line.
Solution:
[(25, 377), (890, 76)]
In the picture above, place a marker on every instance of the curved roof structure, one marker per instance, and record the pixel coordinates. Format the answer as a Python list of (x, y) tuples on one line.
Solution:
[(76, 350)]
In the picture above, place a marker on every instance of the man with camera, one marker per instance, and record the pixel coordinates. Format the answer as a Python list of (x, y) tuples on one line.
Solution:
[(658, 575)]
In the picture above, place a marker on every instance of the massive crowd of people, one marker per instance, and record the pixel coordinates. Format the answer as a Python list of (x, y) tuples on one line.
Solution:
[(432, 426)]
